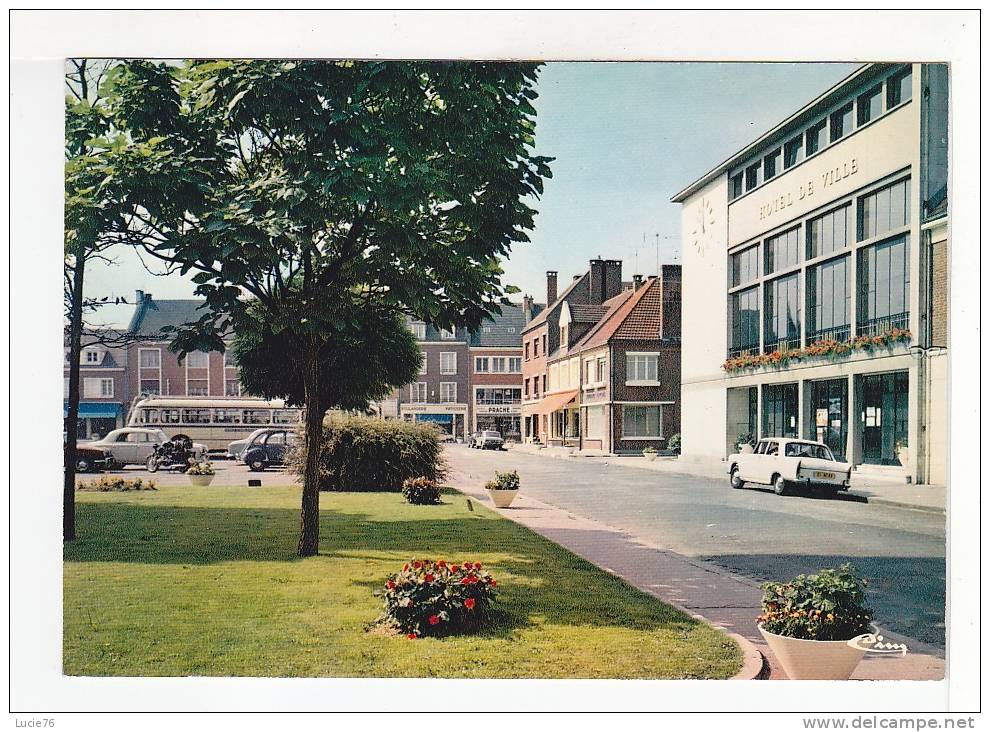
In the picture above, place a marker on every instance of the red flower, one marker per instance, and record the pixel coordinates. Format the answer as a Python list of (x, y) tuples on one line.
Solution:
[(453, 568), (469, 603), (412, 636), (390, 584), (441, 563), (466, 581), (405, 567), (434, 619), (477, 565), (492, 582), (417, 564), (428, 577)]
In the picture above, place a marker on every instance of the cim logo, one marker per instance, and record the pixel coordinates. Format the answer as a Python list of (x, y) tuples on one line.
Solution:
[(874, 643)]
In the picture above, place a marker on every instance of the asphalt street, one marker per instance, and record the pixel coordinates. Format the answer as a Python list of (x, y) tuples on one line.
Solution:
[(754, 532)]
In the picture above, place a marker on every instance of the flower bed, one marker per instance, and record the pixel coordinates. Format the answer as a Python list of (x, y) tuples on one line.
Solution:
[(828, 348), (108, 484), (421, 491), (428, 598)]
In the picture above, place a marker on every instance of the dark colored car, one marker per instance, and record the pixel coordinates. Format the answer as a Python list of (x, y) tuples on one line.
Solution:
[(268, 449), (91, 460)]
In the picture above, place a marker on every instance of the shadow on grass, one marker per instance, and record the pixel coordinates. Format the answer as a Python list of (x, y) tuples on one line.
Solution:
[(539, 581)]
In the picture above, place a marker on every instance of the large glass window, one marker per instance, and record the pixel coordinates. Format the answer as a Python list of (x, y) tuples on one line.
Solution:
[(149, 358), (498, 396), (745, 266), (883, 287), (792, 152), (899, 88), (752, 176), (198, 387), (198, 360), (645, 421), (448, 362), (783, 316), (828, 300), (780, 410), (829, 232), (419, 331), (935, 123), (884, 210), (744, 321), (783, 250), (448, 392), (736, 186), (815, 138), (827, 415), (884, 417), (417, 392), (869, 105), (841, 122), (151, 386)]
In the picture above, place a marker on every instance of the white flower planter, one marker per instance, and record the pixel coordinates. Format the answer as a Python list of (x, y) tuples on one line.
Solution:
[(745, 448), (502, 499), (651, 456), (201, 480), (812, 659), (903, 456)]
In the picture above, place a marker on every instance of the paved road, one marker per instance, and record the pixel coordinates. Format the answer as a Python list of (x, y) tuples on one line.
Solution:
[(753, 532)]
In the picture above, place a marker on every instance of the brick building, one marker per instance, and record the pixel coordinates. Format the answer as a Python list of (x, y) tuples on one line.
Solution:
[(103, 386)]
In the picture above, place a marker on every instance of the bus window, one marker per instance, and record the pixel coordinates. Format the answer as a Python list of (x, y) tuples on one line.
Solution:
[(285, 416), (257, 416), (196, 416), (149, 416), (171, 416), (226, 416)]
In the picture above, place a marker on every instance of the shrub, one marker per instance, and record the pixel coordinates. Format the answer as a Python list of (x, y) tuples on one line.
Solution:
[(107, 484), (367, 454), (421, 491), (504, 482), (830, 605), (201, 469), (428, 598), (674, 443)]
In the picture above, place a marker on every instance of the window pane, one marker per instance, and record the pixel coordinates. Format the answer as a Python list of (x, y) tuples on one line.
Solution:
[(783, 250), (828, 233), (771, 165), (869, 105), (883, 210), (752, 176), (150, 359), (744, 321), (841, 122), (828, 301), (745, 266), (792, 152), (815, 138), (899, 88), (884, 283), (783, 324), (198, 360)]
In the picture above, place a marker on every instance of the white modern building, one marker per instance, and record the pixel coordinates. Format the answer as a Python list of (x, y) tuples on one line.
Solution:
[(828, 236)]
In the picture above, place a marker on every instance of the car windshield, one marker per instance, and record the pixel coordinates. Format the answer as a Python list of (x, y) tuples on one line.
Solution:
[(809, 450), (491, 434)]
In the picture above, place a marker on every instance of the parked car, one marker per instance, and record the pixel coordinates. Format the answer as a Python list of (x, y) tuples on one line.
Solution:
[(268, 449), (487, 440), (784, 463), (134, 445), (236, 448), (91, 459)]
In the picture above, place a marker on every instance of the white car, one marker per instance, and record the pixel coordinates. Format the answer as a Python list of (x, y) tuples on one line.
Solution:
[(487, 440), (134, 445), (782, 463)]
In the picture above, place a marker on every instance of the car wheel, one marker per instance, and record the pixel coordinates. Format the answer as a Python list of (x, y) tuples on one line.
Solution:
[(83, 465), (734, 480), (780, 486), (256, 465), (151, 464)]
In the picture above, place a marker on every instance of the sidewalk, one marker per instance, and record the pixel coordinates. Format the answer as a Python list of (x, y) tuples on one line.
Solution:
[(930, 498), (700, 589)]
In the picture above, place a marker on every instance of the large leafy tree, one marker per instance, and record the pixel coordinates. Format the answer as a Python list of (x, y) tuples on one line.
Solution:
[(318, 188)]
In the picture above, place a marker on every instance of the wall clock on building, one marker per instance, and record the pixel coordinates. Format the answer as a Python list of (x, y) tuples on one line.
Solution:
[(704, 226)]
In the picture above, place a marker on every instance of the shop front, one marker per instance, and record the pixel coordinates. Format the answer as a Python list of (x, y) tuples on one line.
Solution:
[(450, 419), (96, 419), (499, 409)]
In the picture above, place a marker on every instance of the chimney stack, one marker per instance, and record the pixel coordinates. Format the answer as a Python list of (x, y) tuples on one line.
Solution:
[(138, 297), (527, 309), (551, 288), (637, 281), (605, 280)]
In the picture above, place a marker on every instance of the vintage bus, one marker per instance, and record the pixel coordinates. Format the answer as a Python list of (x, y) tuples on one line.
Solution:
[(209, 420)]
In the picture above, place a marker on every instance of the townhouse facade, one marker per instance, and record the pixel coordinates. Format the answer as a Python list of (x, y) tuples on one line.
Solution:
[(610, 371), (103, 385), (829, 238)]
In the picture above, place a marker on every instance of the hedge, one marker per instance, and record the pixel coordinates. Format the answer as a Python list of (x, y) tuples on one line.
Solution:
[(367, 454)]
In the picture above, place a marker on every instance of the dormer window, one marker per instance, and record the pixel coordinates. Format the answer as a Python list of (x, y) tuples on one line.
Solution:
[(91, 356), (563, 337), (446, 335), (419, 330)]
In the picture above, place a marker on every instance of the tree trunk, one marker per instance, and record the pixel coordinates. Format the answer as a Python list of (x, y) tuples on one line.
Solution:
[(309, 536), (72, 418)]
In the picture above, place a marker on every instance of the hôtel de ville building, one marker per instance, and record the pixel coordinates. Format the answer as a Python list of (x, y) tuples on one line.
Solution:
[(828, 238)]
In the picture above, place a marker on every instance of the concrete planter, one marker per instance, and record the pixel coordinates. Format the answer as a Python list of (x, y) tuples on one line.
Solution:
[(502, 499), (651, 456), (903, 456), (811, 659), (201, 480), (745, 448)]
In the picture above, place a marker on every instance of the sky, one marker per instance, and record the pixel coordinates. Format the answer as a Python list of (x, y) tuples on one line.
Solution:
[(625, 138)]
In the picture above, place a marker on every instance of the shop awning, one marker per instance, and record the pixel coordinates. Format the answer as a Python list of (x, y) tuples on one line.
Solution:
[(94, 409), (554, 402)]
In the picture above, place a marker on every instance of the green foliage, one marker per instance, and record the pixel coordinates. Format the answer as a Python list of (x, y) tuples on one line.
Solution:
[(428, 598), (421, 491), (649, 450), (366, 454), (201, 469), (504, 481), (674, 443), (830, 605), (361, 358), (107, 484)]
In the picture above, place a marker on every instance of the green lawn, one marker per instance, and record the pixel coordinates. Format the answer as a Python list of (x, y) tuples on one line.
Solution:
[(205, 581)]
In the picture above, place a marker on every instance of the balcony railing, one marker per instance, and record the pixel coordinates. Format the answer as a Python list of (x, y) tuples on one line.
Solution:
[(879, 326), (839, 333), (782, 344)]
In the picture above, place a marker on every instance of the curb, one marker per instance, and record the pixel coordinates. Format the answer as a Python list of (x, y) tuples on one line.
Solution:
[(753, 661), (901, 504)]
